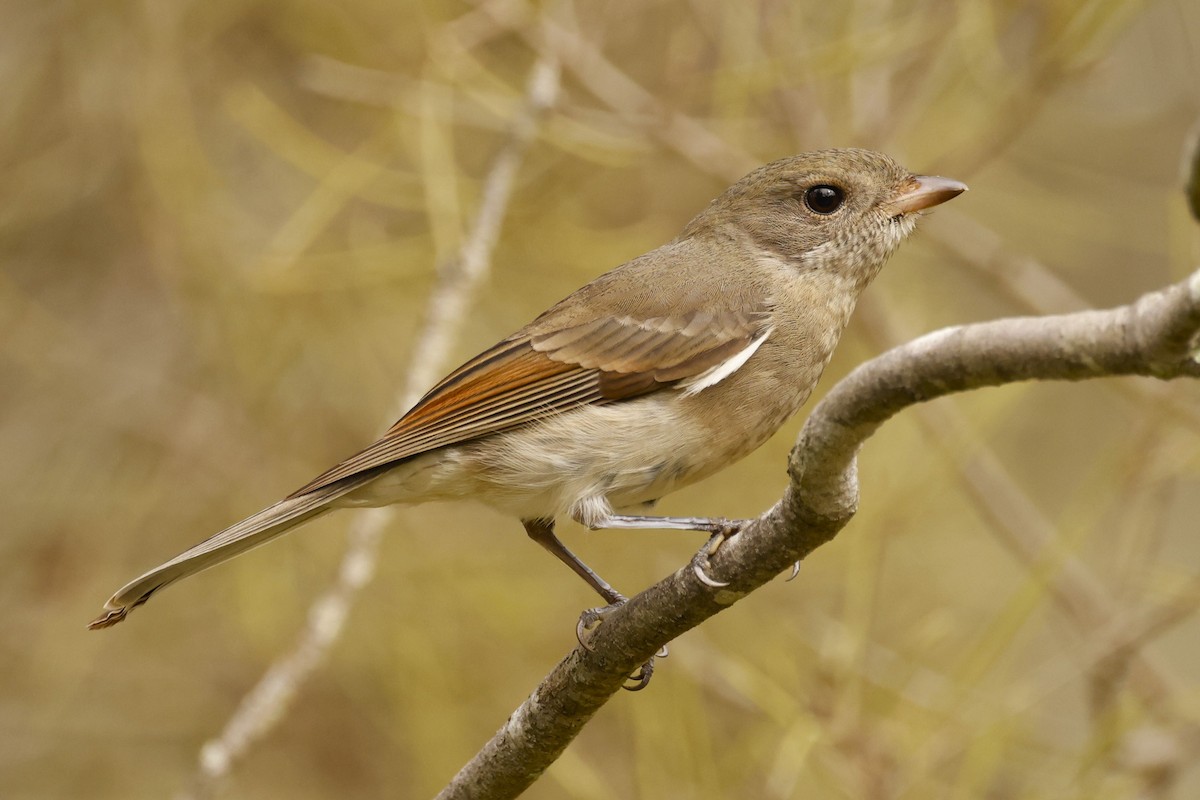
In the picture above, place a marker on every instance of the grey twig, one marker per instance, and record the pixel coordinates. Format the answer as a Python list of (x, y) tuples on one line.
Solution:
[(1155, 336), (267, 703)]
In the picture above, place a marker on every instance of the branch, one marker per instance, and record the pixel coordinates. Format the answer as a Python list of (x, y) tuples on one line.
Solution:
[(1156, 336), (268, 702)]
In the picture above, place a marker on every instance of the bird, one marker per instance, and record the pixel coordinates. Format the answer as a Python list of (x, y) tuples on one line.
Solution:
[(653, 376)]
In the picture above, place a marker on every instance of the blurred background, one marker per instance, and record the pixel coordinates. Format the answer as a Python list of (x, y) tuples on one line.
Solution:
[(219, 226)]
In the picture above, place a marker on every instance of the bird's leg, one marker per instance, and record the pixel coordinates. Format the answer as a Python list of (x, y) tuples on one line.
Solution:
[(714, 525), (542, 532), (719, 528)]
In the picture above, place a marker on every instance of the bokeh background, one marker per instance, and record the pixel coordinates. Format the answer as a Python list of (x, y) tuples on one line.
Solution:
[(219, 225)]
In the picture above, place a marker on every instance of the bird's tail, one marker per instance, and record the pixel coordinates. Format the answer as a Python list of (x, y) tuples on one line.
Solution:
[(234, 540)]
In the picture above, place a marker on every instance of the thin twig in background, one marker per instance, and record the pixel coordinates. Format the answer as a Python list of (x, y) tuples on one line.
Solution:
[(269, 701)]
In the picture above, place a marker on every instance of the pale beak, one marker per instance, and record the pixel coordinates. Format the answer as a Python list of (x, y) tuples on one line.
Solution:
[(925, 191)]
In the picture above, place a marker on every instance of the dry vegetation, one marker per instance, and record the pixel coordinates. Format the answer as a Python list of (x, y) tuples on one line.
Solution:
[(221, 228)]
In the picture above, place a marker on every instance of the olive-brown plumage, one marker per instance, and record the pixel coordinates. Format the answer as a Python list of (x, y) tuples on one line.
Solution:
[(654, 375)]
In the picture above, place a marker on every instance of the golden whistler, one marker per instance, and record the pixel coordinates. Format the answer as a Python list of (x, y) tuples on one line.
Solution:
[(653, 376)]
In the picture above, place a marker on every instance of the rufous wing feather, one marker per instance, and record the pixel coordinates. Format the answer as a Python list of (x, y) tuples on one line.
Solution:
[(528, 376)]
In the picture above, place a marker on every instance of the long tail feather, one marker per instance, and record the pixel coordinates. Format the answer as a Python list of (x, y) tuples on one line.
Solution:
[(251, 532)]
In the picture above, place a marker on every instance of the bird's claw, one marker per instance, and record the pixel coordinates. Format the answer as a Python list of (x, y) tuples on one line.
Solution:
[(795, 572), (702, 576), (591, 618), (721, 531), (641, 678)]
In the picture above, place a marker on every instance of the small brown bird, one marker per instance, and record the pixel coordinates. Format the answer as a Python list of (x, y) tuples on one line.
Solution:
[(651, 377)]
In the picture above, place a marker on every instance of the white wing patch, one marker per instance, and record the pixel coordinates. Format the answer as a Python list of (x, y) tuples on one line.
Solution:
[(714, 375)]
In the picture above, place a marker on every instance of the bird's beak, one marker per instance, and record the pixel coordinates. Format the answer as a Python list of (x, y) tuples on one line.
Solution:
[(925, 191)]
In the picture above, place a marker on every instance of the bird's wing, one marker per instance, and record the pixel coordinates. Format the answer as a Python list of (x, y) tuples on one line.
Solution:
[(539, 372)]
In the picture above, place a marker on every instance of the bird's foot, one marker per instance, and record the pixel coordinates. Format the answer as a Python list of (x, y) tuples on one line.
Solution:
[(589, 620), (641, 678), (721, 530)]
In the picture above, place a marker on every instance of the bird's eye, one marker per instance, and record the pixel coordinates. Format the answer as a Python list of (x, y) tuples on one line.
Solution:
[(824, 199)]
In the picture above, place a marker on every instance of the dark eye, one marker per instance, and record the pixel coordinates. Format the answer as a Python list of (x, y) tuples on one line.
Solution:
[(824, 199)]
